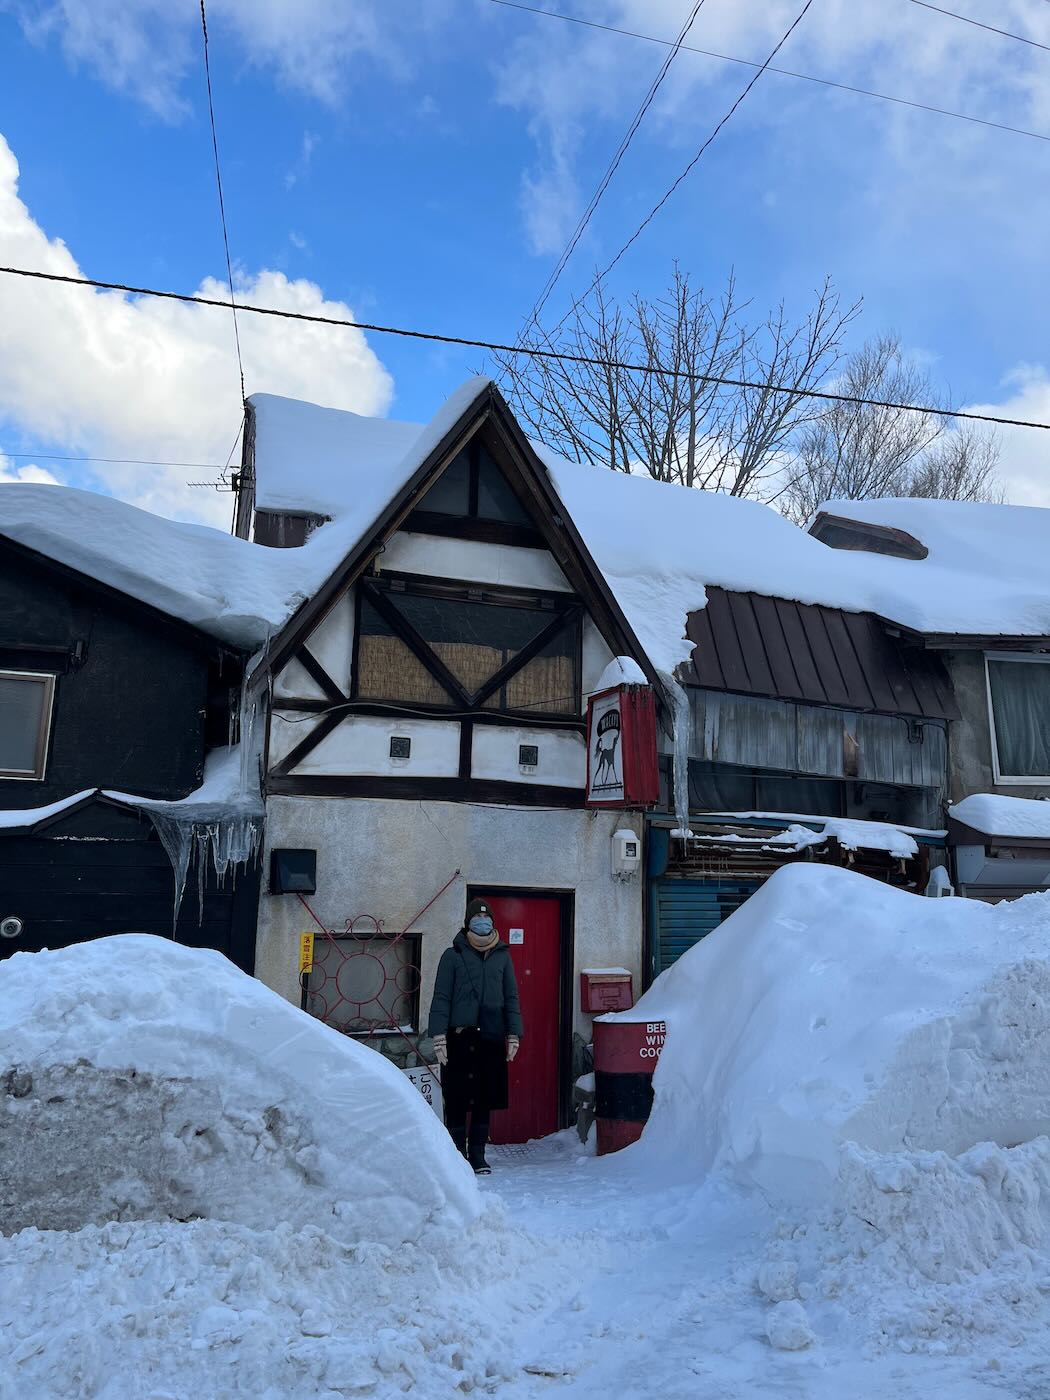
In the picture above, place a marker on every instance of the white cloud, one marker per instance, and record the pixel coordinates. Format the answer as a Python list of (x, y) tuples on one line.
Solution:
[(301, 168), (1025, 462), (147, 48), (39, 476), (579, 86), (115, 376)]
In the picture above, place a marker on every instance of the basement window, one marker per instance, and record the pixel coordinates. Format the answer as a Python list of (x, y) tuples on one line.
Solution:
[(367, 983), (26, 703), (1018, 714)]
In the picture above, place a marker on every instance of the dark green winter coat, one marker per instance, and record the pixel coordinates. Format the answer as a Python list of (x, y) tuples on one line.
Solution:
[(473, 990)]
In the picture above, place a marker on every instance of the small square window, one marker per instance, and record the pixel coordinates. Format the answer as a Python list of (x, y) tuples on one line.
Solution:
[(26, 700), (528, 755), (400, 746)]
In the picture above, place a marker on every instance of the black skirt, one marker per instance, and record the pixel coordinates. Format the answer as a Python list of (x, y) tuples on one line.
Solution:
[(475, 1076)]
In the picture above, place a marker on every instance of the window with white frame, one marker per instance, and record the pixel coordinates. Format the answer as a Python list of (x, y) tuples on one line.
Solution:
[(26, 700), (1019, 715)]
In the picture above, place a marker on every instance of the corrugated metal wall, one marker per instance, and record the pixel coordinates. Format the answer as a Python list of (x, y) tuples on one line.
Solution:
[(775, 734), (687, 910)]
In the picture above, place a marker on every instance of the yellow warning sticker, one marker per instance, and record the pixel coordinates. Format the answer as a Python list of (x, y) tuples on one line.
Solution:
[(306, 952)]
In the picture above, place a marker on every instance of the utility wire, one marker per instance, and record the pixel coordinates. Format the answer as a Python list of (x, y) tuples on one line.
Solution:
[(531, 351), (783, 72), (222, 205), (613, 166), (1006, 34), (690, 167), (115, 461)]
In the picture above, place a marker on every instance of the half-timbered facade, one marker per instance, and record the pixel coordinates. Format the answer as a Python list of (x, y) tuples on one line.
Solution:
[(427, 743)]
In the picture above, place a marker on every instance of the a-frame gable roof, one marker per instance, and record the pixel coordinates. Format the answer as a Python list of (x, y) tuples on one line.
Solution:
[(478, 407)]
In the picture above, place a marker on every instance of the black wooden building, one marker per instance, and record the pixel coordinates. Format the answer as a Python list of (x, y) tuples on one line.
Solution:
[(105, 699)]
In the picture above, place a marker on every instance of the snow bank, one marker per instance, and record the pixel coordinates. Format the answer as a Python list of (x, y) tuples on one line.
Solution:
[(833, 1009), (1003, 816), (874, 1065), (145, 1080)]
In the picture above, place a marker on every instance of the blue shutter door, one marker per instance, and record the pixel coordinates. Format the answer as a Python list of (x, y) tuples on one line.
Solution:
[(687, 910)]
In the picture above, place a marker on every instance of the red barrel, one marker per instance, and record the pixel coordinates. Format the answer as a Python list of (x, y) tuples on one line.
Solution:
[(625, 1055)]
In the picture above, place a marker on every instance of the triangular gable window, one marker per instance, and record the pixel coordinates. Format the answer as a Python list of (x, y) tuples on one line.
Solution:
[(473, 497), (433, 645)]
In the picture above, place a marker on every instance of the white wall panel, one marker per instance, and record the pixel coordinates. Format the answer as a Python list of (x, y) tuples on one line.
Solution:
[(596, 656), (287, 730), (332, 641), (360, 745), (562, 755), (294, 682), (473, 561)]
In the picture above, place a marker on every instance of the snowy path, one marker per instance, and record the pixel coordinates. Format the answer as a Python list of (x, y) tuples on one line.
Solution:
[(585, 1279), (664, 1304)]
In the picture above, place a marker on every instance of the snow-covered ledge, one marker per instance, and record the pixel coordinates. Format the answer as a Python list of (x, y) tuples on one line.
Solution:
[(1023, 817)]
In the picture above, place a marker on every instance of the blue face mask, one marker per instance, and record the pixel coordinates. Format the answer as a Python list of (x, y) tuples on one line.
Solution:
[(481, 924)]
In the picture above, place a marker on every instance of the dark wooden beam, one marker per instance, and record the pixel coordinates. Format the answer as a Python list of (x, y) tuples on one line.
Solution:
[(425, 789), (319, 675), (522, 658), (408, 634)]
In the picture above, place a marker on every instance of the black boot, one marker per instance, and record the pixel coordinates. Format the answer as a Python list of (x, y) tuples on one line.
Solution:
[(459, 1139), (476, 1151)]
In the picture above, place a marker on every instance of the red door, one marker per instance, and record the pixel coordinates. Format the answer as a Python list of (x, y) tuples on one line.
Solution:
[(531, 924)]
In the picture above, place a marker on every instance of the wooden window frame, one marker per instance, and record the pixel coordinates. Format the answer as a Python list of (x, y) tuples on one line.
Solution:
[(566, 611), (1023, 657), (46, 680)]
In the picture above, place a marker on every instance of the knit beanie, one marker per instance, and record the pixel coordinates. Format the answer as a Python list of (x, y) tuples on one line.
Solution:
[(477, 907)]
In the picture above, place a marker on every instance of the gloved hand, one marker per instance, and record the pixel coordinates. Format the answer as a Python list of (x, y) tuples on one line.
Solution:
[(512, 1048), (441, 1049)]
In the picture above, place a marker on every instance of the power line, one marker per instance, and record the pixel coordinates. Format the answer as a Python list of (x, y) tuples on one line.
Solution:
[(222, 205), (530, 351), (613, 166), (116, 461), (771, 68), (979, 24), (695, 160)]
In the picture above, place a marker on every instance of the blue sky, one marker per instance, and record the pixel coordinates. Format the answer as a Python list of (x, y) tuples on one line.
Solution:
[(423, 163)]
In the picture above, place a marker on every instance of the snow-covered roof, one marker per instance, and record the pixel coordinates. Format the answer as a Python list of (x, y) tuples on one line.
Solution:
[(233, 590), (307, 458), (1003, 816), (659, 545)]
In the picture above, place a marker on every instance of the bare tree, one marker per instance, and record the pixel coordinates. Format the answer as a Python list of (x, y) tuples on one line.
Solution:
[(857, 449), (687, 387)]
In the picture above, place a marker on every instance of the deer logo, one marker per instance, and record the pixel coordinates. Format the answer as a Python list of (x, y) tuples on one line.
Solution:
[(605, 747)]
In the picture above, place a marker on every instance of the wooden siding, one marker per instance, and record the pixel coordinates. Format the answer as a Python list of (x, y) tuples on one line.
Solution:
[(755, 732), (100, 870), (755, 645)]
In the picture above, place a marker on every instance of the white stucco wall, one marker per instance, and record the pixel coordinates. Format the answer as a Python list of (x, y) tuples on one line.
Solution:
[(388, 858), (473, 561)]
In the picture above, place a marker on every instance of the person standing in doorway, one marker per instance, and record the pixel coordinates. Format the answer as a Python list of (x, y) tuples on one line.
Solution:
[(475, 1023)]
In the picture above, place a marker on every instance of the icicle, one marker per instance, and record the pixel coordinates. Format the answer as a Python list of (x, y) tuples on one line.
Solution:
[(176, 837), (682, 722)]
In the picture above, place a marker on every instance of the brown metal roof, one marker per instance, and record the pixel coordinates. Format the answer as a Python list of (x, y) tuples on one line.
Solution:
[(754, 645)]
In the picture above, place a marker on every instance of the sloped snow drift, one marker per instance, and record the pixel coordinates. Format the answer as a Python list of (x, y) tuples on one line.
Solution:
[(146, 1080)]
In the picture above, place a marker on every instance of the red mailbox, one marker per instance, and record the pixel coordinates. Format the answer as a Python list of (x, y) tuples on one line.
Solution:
[(606, 989)]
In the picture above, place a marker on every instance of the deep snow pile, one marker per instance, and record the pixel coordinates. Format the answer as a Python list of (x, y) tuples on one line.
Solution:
[(877, 1065), (145, 1080), (152, 1310)]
